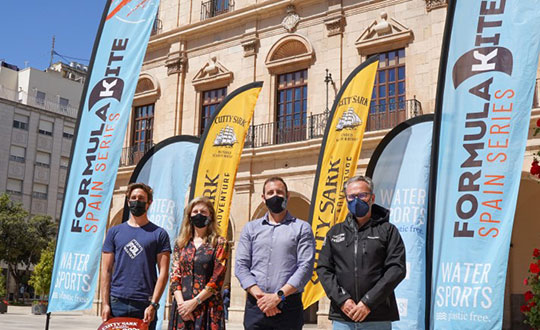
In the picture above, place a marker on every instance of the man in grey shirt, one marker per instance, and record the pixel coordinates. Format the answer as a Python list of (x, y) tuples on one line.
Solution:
[(274, 261)]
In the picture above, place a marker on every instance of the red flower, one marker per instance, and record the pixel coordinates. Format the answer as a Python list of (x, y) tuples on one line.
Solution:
[(538, 123), (524, 309), (534, 268), (526, 282), (532, 304), (535, 168), (528, 295), (536, 253)]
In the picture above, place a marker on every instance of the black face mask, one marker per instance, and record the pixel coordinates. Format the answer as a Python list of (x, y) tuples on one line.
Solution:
[(137, 208), (276, 204), (199, 220)]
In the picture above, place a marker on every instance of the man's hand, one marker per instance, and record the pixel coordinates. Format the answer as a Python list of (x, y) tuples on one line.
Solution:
[(272, 312), (348, 307), (105, 312), (149, 314), (255, 291), (268, 302), (360, 312)]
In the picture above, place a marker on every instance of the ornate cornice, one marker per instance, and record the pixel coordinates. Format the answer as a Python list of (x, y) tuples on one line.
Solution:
[(176, 62), (335, 24), (250, 45), (433, 4)]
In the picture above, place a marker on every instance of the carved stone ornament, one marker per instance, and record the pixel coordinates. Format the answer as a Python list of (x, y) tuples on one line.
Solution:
[(175, 62), (335, 24), (382, 35), (251, 46), (290, 21), (433, 4), (212, 73)]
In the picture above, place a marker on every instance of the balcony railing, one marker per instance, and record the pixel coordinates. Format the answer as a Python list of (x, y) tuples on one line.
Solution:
[(280, 132), (390, 115), (313, 127), (132, 155), (213, 8)]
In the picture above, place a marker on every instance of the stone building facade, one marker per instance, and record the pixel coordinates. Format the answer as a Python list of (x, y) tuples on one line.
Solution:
[(302, 50)]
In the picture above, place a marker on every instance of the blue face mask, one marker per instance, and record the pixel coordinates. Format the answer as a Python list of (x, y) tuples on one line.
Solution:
[(358, 207)]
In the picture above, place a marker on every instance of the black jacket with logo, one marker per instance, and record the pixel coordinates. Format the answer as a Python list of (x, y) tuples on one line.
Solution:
[(364, 264)]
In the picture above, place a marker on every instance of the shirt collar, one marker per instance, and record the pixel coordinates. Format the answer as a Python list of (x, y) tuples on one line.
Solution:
[(288, 218)]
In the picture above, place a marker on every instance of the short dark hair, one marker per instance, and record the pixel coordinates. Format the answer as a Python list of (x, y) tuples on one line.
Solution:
[(139, 185), (273, 179)]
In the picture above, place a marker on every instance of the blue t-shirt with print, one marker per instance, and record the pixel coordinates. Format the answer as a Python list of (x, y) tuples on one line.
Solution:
[(135, 257)]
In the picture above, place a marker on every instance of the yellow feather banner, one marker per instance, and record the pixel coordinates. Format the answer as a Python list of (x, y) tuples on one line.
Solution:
[(338, 158), (220, 149)]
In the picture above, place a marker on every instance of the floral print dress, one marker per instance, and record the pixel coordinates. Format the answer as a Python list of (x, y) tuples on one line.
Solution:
[(195, 269)]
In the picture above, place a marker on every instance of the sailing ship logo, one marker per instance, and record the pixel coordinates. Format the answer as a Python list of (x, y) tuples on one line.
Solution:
[(226, 137), (349, 120)]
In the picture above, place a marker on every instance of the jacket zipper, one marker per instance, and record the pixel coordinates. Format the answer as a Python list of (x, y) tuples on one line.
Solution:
[(363, 251), (356, 266)]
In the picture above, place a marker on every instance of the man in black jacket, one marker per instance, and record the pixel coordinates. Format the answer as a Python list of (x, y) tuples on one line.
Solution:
[(361, 262)]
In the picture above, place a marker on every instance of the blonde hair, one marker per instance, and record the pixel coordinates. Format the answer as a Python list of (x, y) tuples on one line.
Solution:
[(186, 231)]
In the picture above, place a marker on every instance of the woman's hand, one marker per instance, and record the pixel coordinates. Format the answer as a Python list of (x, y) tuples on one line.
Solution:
[(186, 307), (188, 317)]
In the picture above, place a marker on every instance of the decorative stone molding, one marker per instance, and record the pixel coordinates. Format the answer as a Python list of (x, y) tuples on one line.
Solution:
[(433, 4), (290, 21), (147, 90), (41, 174), (16, 170), (250, 45), (176, 62), (44, 143), (335, 24), (383, 35), (290, 52), (19, 138), (213, 74)]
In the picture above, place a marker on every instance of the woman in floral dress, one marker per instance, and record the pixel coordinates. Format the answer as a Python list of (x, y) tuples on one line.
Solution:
[(199, 265)]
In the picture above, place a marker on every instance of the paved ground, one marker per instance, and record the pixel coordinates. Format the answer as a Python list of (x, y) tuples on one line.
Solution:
[(21, 318)]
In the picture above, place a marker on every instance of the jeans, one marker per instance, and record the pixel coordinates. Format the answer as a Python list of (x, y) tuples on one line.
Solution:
[(343, 325), (131, 308)]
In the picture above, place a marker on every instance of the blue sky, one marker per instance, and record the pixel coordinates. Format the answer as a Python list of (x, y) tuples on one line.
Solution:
[(28, 26)]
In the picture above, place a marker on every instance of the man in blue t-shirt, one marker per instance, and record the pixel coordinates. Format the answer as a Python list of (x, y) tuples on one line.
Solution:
[(129, 282)]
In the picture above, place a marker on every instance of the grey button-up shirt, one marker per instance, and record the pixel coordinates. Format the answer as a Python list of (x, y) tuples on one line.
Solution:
[(271, 255)]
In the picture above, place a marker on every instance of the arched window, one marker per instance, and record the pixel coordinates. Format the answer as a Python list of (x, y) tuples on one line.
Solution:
[(289, 60), (142, 125)]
